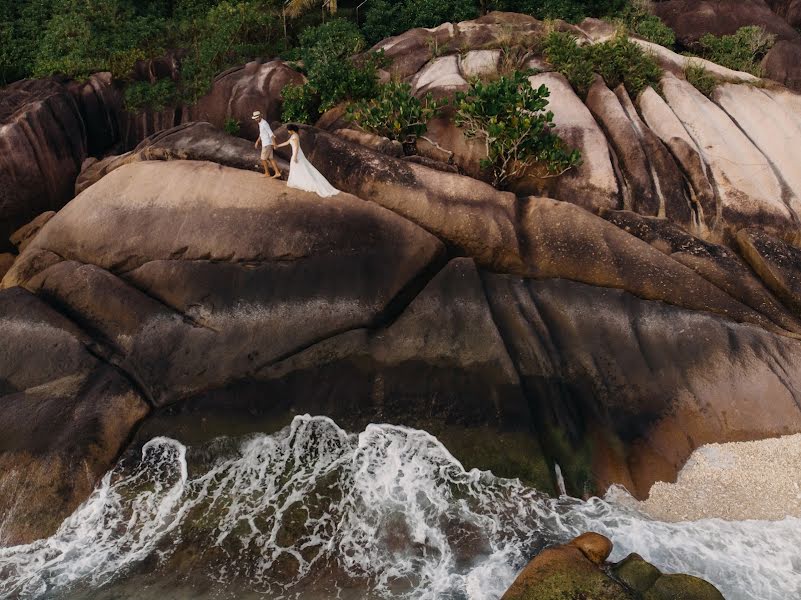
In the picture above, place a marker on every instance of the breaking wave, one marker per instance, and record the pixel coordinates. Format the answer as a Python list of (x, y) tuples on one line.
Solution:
[(313, 512)]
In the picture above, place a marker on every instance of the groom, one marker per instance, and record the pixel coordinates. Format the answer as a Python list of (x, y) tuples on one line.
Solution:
[(267, 140)]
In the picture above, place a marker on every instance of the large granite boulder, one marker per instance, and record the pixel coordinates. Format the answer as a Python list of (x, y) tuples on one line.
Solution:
[(42, 145), (691, 19), (239, 91), (65, 416)]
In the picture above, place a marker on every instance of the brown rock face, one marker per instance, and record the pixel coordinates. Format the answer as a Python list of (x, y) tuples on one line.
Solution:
[(65, 416), (789, 10), (691, 20), (42, 146), (594, 546), (237, 92), (564, 572)]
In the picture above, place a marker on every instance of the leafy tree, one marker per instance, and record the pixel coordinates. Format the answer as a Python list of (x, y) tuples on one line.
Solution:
[(509, 116), (333, 76), (386, 18), (301, 104), (395, 113)]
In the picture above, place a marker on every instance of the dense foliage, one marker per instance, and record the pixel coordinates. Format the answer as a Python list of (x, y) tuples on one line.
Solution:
[(640, 20), (395, 113), (618, 60), (79, 37), (509, 116), (333, 76), (741, 51)]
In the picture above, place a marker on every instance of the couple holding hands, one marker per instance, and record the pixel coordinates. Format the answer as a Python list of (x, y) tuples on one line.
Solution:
[(302, 174)]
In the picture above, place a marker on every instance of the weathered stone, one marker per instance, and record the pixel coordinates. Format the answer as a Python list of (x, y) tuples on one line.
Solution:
[(564, 572), (593, 184), (636, 573), (747, 186), (374, 142), (479, 63), (23, 236), (6, 260), (772, 129), (682, 587), (64, 417), (440, 77), (778, 264), (42, 146), (237, 92), (594, 546)]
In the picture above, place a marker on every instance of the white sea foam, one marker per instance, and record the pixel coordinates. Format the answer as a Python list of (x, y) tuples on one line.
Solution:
[(388, 512)]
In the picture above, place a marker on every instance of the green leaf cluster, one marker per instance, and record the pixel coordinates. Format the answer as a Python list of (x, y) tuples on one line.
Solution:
[(385, 18), (395, 113), (639, 19), (333, 75), (510, 116), (618, 60), (301, 104), (741, 51)]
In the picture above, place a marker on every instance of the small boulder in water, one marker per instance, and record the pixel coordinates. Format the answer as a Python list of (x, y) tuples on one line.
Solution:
[(682, 587), (636, 573), (578, 570), (594, 546)]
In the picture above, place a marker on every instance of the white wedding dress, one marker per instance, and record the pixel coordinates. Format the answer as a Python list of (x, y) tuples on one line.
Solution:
[(303, 175)]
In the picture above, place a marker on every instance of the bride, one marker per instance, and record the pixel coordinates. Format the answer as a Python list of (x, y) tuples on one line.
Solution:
[(302, 174)]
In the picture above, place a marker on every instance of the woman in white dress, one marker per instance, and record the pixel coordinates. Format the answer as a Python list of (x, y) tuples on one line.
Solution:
[(302, 174)]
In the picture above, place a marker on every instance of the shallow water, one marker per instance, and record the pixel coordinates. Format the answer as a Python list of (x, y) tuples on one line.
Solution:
[(313, 512)]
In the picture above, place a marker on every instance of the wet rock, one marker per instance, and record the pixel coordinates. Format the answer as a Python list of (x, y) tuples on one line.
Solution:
[(636, 573), (564, 572), (682, 587), (594, 546)]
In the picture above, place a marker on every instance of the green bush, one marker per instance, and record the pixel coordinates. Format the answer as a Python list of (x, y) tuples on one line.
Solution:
[(569, 10), (742, 51), (395, 113), (157, 96), (509, 116), (639, 19), (301, 104), (571, 60), (618, 60), (385, 18), (333, 76), (697, 75), (232, 126)]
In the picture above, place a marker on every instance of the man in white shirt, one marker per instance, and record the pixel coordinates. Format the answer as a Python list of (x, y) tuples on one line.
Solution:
[(267, 140)]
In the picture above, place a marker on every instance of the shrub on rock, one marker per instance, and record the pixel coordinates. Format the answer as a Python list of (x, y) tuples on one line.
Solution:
[(742, 51), (619, 60), (395, 113), (509, 115)]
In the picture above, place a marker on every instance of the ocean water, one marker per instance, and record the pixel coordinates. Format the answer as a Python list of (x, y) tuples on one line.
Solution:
[(313, 512)]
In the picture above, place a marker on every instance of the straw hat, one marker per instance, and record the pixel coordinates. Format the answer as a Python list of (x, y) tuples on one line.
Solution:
[(256, 115)]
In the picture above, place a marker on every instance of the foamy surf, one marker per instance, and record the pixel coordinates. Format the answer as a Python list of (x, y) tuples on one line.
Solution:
[(314, 512)]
